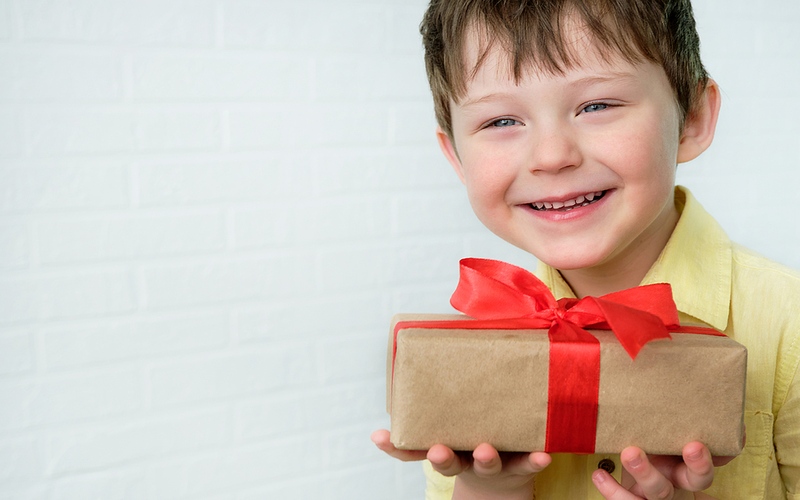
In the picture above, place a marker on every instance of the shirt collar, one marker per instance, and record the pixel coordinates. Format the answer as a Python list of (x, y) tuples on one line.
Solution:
[(696, 261)]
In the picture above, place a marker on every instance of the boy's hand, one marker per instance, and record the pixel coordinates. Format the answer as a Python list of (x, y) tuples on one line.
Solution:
[(487, 474), (661, 477), (484, 474)]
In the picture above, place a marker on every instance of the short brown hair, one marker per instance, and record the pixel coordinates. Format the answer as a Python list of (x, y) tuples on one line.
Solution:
[(533, 33)]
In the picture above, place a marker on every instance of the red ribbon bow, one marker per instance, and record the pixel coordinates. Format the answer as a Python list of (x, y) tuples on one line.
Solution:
[(494, 290), (503, 296)]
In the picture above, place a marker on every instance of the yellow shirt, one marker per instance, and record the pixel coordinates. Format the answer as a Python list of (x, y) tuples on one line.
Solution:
[(754, 301)]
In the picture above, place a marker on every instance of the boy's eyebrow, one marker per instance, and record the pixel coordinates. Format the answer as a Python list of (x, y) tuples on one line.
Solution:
[(604, 78), (579, 82), (488, 97)]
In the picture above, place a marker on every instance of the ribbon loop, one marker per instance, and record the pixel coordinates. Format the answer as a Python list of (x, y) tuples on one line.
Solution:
[(491, 289)]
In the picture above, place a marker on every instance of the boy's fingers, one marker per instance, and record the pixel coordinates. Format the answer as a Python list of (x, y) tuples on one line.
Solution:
[(381, 439), (527, 463), (649, 480), (697, 473), (486, 461), (673, 480), (445, 461), (609, 487)]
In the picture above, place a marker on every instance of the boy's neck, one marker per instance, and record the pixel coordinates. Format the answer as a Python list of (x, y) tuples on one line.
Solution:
[(587, 283)]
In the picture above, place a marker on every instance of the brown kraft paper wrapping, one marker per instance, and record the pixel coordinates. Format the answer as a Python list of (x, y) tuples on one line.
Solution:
[(465, 387)]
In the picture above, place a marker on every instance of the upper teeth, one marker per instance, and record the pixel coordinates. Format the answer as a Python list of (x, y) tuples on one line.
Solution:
[(555, 205)]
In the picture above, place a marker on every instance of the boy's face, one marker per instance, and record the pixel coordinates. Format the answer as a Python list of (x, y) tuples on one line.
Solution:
[(577, 169)]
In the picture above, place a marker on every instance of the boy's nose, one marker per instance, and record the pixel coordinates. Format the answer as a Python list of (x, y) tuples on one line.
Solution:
[(554, 150)]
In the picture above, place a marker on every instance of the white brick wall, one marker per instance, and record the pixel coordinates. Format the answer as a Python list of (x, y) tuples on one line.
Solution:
[(209, 210)]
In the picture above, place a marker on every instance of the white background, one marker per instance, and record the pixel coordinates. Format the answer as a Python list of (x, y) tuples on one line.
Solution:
[(209, 210)]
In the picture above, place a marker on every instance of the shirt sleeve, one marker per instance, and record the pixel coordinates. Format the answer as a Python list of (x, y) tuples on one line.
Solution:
[(787, 438), (438, 486)]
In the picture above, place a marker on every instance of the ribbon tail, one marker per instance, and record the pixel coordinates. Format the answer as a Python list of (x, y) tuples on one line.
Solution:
[(633, 328), (655, 299)]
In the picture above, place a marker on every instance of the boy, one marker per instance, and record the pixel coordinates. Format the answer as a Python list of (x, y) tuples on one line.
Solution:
[(565, 120)]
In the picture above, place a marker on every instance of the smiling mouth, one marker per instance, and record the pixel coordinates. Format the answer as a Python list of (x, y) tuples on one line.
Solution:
[(567, 205)]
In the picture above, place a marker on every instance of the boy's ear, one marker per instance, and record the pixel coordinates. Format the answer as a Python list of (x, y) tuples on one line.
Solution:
[(701, 123), (449, 150)]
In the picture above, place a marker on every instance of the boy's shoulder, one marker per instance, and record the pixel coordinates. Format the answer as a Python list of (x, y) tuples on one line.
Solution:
[(765, 293), (753, 268)]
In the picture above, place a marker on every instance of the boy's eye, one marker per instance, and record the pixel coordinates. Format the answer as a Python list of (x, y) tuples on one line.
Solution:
[(595, 106), (503, 122)]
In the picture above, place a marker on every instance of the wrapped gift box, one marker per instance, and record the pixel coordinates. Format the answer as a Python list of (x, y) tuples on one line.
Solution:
[(462, 387)]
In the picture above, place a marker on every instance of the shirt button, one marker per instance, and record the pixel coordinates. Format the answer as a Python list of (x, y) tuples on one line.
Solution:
[(607, 465)]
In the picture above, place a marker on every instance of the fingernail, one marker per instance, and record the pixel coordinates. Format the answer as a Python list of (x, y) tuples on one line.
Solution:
[(636, 462), (695, 455), (599, 476)]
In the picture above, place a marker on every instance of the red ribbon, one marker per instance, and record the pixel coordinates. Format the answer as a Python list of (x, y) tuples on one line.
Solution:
[(503, 296)]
